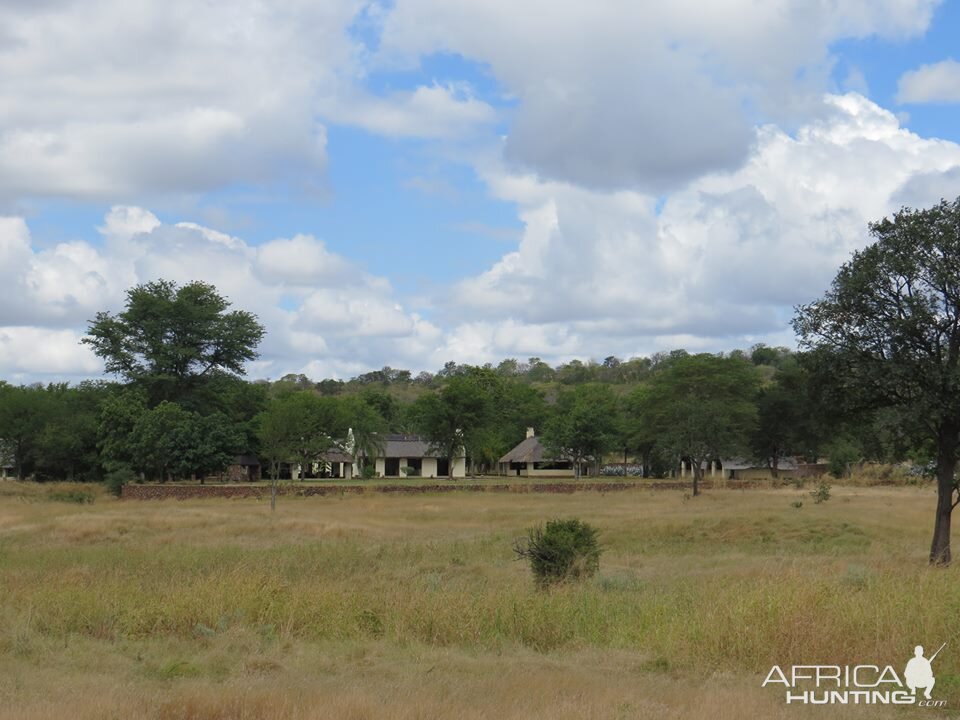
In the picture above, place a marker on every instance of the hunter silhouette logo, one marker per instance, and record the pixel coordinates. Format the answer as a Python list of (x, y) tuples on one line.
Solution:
[(919, 673), (867, 684)]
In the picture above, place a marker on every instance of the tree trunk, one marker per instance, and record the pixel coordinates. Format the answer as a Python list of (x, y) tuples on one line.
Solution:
[(275, 472), (775, 465), (946, 465), (696, 477)]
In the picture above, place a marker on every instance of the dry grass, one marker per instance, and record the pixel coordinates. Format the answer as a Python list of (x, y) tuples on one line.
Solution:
[(413, 607)]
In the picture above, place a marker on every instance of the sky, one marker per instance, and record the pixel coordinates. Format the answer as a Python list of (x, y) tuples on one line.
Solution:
[(411, 182)]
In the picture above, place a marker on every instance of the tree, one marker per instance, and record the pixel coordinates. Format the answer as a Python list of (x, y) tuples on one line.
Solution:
[(278, 431), (701, 407), (171, 442), (891, 324), (170, 339), (120, 412), (455, 418), (318, 421), (22, 418), (366, 426), (584, 424), (66, 448), (789, 420)]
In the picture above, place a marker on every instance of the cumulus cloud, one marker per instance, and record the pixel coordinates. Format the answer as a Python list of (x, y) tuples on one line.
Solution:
[(301, 260), (430, 111), (720, 263), (939, 82), (644, 95), (173, 97), (28, 352), (321, 311)]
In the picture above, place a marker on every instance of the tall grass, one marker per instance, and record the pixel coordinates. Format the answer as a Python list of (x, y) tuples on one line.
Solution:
[(731, 583)]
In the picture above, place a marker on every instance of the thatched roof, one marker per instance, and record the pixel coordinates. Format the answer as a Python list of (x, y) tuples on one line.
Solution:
[(529, 450), (336, 455)]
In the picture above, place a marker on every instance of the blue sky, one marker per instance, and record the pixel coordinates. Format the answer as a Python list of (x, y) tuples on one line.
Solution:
[(412, 182)]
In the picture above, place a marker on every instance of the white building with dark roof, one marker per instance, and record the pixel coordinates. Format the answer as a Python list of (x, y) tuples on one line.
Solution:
[(411, 456), (529, 459)]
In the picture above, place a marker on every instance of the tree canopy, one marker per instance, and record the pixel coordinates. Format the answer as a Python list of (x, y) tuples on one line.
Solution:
[(169, 336), (890, 328), (700, 407)]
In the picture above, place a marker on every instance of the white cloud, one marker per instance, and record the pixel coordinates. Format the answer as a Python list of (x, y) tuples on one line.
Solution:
[(939, 82), (173, 97), (28, 352), (434, 111), (722, 262), (302, 260), (337, 316), (644, 95)]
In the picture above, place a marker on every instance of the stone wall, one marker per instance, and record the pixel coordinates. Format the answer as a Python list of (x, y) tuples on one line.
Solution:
[(189, 492)]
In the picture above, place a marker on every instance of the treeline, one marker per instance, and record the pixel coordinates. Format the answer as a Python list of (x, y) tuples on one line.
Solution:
[(763, 403)]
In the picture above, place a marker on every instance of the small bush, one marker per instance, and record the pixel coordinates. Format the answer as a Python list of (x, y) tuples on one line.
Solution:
[(564, 550), (71, 496), (843, 453), (821, 494), (118, 477)]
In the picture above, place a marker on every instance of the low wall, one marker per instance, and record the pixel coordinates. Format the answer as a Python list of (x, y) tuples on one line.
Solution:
[(190, 492)]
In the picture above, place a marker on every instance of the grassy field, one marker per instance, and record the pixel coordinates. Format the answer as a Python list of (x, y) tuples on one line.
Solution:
[(379, 606)]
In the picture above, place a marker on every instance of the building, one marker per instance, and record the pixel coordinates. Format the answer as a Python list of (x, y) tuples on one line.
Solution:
[(334, 463), (411, 456), (529, 459), (740, 469), (244, 468)]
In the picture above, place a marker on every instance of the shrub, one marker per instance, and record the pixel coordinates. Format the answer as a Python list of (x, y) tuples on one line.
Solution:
[(821, 494), (842, 452), (71, 496), (564, 550), (117, 477)]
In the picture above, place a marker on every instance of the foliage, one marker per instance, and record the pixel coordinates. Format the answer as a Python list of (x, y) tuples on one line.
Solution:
[(117, 477), (170, 442), (21, 423), (171, 339), (698, 408), (890, 328), (456, 417), (842, 453), (584, 424), (821, 493), (278, 431), (80, 497), (364, 440), (564, 550)]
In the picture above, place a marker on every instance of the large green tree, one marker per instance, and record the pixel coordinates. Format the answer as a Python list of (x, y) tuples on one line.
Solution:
[(891, 324), (171, 339), (23, 412), (700, 407), (584, 425), (66, 448), (456, 418)]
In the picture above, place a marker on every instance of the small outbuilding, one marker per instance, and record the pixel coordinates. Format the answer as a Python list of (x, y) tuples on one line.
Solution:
[(530, 459)]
